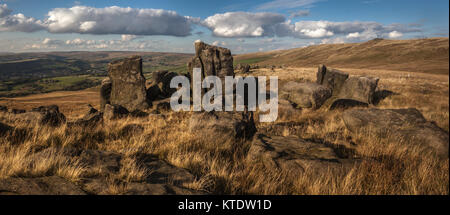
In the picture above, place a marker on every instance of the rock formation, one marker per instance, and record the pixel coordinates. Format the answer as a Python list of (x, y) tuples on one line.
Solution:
[(408, 125), (128, 83), (305, 95), (212, 60), (105, 93), (331, 78)]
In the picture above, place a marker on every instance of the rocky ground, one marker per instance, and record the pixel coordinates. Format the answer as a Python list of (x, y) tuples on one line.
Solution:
[(345, 131)]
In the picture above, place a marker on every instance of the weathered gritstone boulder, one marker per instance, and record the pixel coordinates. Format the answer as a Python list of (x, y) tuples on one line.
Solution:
[(244, 68), (105, 93), (236, 125), (305, 95), (293, 155), (43, 115), (114, 112), (51, 185), (128, 83), (331, 78), (161, 85), (212, 60), (92, 118), (406, 124), (360, 89)]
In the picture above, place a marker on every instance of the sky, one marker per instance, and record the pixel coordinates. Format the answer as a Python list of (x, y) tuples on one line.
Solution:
[(241, 26)]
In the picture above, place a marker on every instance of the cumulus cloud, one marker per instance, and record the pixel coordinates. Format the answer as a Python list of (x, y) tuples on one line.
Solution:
[(395, 34), (4, 10), (117, 20), (17, 22), (243, 24)]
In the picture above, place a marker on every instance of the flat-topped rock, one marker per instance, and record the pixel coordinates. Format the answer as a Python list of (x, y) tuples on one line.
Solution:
[(305, 95)]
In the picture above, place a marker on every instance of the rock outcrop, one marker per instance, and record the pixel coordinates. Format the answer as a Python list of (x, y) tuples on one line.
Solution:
[(305, 95), (105, 93), (43, 115), (128, 83), (50, 185), (220, 124), (92, 118), (114, 112), (212, 60), (360, 89), (331, 78), (295, 156), (408, 125), (160, 85)]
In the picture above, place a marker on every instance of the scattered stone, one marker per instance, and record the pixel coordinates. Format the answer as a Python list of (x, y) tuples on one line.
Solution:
[(236, 125), (92, 118), (43, 115), (331, 78), (293, 155), (128, 83), (306, 95), (114, 112), (105, 93), (51, 185), (406, 124), (360, 89)]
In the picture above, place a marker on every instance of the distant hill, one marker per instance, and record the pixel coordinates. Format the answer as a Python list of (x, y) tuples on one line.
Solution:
[(31, 73), (416, 55)]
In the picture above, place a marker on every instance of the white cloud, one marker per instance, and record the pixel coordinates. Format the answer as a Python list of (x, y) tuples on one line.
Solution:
[(243, 24), (17, 22), (395, 34), (128, 37), (117, 20), (4, 10), (286, 4)]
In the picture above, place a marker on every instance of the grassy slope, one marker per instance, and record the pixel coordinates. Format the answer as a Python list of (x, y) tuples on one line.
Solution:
[(418, 55)]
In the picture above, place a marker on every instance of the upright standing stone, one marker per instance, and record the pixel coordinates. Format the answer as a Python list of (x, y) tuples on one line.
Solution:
[(105, 93), (128, 83), (212, 60)]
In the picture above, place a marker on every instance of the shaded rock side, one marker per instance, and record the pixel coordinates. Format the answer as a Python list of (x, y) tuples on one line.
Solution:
[(128, 83), (51, 185), (305, 95), (331, 78), (360, 89)]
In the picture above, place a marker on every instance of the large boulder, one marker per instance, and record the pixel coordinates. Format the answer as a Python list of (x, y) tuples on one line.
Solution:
[(360, 89), (160, 86), (295, 156), (51, 185), (128, 83), (305, 95), (408, 125), (331, 78), (212, 60), (105, 93), (43, 115), (223, 124)]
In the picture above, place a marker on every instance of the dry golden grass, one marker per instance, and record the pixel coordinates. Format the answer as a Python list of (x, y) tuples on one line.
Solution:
[(219, 164)]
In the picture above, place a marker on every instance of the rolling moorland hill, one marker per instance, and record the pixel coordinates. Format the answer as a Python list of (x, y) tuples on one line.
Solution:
[(416, 55), (33, 73)]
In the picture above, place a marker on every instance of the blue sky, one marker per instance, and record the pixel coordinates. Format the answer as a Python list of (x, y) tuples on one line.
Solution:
[(250, 26)]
